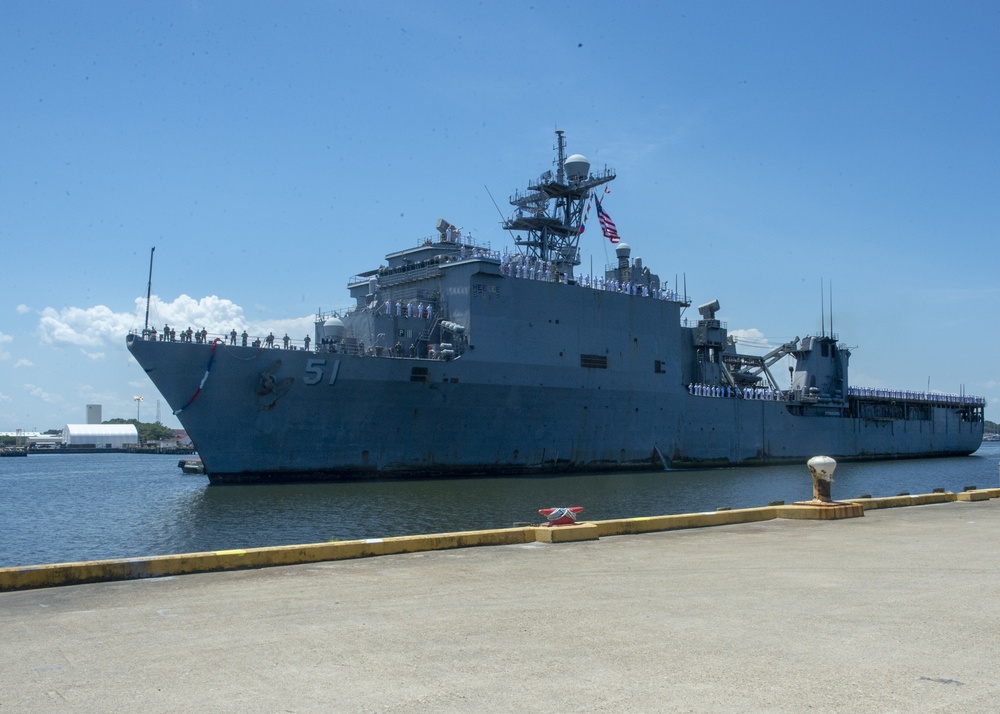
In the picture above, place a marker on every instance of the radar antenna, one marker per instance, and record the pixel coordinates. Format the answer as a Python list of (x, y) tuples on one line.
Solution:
[(550, 212)]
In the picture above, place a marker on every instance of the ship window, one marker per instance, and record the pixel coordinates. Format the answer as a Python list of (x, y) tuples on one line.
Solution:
[(658, 366), (826, 350), (594, 361)]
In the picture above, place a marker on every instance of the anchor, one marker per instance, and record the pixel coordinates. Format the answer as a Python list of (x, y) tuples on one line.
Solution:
[(270, 387)]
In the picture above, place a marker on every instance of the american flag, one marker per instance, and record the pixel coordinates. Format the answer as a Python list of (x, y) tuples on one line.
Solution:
[(607, 225)]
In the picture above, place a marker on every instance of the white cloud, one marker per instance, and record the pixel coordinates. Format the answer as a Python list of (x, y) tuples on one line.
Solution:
[(219, 316), (751, 341), (22, 309), (215, 314), (83, 327), (94, 328), (4, 339), (24, 363), (4, 397), (40, 393)]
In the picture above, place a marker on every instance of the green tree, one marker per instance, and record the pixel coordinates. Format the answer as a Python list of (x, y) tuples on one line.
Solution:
[(148, 431)]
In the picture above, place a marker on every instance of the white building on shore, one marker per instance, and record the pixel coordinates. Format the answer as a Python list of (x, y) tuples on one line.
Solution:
[(100, 436)]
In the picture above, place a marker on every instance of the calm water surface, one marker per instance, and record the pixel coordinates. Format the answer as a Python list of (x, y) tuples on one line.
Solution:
[(68, 507)]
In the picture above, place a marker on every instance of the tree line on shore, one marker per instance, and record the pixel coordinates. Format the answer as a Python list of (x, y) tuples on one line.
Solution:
[(148, 432)]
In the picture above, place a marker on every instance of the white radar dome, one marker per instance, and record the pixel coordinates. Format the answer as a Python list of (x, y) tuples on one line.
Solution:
[(623, 250), (577, 167), (334, 328)]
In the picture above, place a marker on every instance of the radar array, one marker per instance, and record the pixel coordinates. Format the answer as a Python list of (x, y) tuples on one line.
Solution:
[(550, 212)]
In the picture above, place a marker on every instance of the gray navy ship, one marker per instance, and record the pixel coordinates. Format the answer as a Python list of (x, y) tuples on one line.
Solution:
[(456, 359)]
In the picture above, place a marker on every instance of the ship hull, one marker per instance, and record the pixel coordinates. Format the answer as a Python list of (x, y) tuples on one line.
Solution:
[(291, 415)]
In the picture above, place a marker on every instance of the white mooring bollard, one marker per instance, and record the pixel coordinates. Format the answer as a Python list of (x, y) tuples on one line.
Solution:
[(822, 468)]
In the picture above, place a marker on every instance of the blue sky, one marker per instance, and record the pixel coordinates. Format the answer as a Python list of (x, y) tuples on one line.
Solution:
[(272, 150)]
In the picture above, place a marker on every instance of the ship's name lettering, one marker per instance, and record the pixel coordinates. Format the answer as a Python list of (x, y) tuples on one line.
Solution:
[(485, 292), (315, 369)]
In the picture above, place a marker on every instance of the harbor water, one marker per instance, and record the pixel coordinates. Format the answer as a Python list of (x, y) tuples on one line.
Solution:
[(58, 508)]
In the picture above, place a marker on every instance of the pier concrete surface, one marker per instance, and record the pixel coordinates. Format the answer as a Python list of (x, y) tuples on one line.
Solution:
[(897, 611)]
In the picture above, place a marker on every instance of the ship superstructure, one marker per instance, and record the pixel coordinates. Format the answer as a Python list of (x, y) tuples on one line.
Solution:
[(457, 358)]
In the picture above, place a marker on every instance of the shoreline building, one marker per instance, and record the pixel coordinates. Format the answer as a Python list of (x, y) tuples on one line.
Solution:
[(100, 436)]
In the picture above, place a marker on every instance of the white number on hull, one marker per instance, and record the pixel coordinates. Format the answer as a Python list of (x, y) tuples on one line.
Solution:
[(314, 371)]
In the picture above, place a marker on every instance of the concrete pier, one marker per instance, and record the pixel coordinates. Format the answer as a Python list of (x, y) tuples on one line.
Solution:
[(895, 611)]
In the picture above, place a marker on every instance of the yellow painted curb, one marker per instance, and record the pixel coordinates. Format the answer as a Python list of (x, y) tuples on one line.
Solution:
[(40, 576), (652, 524), (887, 502), (831, 512), (977, 495), (566, 534), (923, 499)]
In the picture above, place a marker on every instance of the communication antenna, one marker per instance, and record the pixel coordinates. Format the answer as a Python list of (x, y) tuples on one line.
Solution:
[(502, 216), (831, 308), (149, 290), (822, 311), (549, 213)]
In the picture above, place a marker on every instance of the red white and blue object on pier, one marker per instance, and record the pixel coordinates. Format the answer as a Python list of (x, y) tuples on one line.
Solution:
[(560, 516)]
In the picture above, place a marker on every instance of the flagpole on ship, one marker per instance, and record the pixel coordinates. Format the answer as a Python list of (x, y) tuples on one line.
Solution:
[(149, 291)]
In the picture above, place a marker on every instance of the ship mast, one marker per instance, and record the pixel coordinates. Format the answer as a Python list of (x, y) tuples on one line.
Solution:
[(149, 290), (550, 212)]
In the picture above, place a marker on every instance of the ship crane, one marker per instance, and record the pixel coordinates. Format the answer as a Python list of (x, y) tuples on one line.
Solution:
[(743, 370)]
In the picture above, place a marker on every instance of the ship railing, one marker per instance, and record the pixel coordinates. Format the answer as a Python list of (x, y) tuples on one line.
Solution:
[(405, 296), (940, 398), (719, 391), (473, 247), (523, 271), (225, 339), (401, 274), (467, 240)]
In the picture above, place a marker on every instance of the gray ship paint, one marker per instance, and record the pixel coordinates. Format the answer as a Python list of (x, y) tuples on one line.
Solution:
[(458, 359)]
